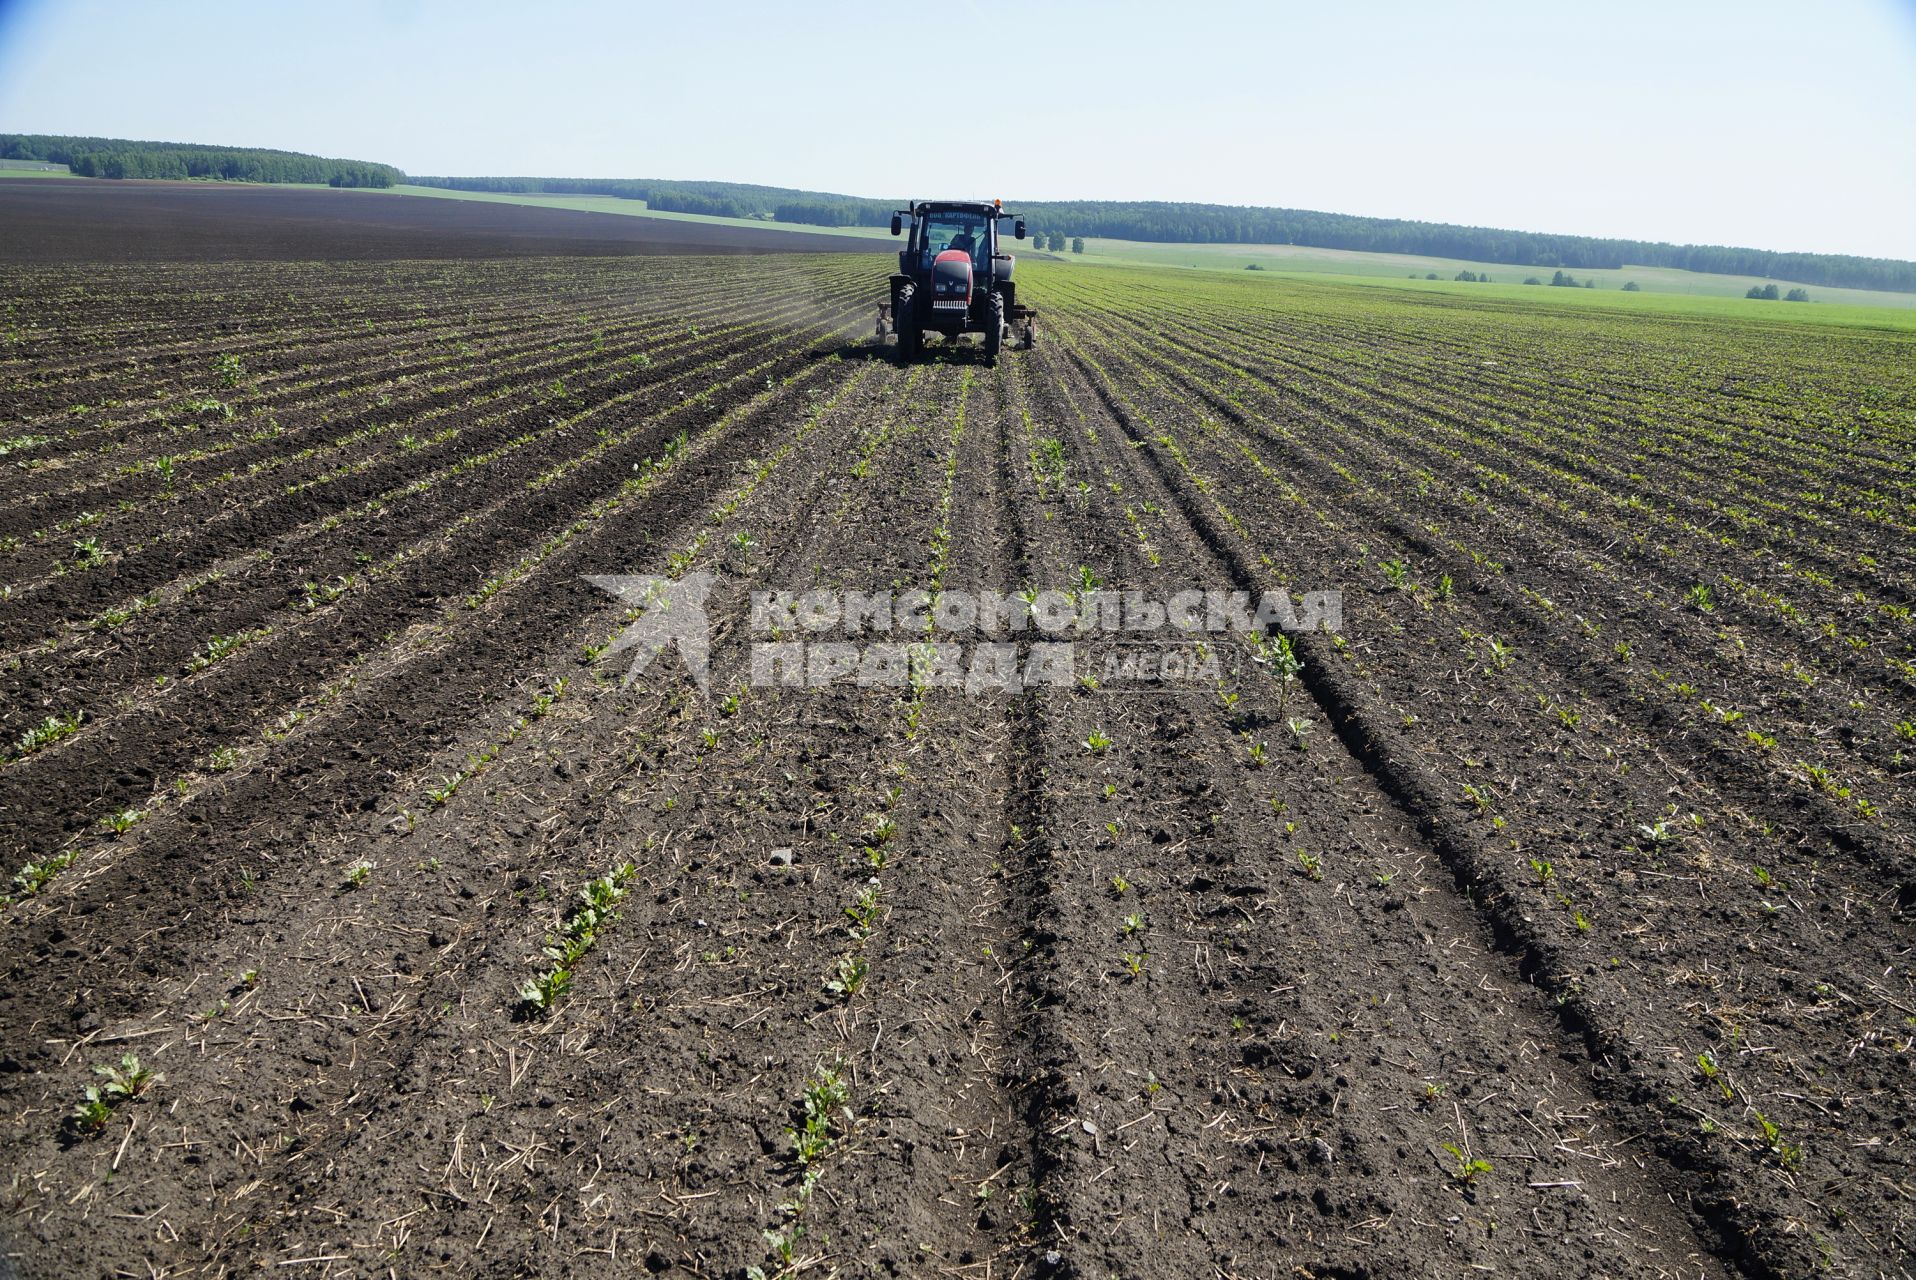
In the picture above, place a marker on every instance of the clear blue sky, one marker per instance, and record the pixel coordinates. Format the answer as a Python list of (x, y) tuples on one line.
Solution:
[(1778, 125)]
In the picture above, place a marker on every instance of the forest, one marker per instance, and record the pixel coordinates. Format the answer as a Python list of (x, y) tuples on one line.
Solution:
[(124, 158)]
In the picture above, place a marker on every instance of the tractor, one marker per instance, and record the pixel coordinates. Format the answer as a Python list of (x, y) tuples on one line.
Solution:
[(953, 280)]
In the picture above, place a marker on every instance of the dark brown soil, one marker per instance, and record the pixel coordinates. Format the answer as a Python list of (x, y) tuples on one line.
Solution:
[(81, 220), (299, 551)]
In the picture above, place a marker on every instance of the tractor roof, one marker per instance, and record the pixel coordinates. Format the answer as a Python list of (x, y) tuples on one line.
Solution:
[(968, 206)]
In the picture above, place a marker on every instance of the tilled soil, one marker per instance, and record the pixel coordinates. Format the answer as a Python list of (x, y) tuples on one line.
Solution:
[(68, 220), (1497, 941)]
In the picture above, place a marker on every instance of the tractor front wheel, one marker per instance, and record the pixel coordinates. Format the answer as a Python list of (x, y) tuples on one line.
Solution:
[(904, 318), (994, 327)]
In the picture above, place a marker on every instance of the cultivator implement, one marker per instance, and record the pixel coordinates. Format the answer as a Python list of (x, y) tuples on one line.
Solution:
[(1021, 320)]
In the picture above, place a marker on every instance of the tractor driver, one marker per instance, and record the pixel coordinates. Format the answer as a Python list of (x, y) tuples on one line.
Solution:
[(961, 242)]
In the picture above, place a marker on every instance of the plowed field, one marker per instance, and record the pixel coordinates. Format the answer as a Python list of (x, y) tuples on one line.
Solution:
[(1549, 916)]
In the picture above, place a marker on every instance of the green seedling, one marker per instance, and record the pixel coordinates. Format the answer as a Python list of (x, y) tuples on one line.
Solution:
[(1706, 1063), (126, 1079), (864, 910), (34, 876), (48, 732), (1787, 1155), (1466, 1169), (825, 1103), (543, 992), (1656, 834), (849, 978), (91, 1115), (1097, 743), (121, 822), (219, 647)]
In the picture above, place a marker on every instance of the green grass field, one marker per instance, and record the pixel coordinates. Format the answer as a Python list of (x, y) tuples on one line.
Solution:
[(1398, 267), (1413, 297), (33, 169)]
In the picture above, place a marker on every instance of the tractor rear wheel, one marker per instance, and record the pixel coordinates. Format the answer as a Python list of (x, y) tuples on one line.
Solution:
[(904, 318), (994, 327)]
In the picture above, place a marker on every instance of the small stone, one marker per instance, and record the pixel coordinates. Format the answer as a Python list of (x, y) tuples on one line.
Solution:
[(781, 857)]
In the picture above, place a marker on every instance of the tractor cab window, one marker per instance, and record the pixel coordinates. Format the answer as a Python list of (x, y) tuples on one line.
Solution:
[(963, 231)]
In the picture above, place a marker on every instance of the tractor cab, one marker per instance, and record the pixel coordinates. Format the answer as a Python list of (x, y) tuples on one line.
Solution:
[(954, 277), (953, 231)]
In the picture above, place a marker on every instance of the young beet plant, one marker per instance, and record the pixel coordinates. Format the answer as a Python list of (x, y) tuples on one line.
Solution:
[(35, 876), (826, 1106), (121, 1082), (1465, 1168), (47, 732), (576, 936)]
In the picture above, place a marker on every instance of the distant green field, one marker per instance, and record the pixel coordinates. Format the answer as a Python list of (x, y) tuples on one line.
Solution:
[(1301, 260), (1529, 300), (33, 169)]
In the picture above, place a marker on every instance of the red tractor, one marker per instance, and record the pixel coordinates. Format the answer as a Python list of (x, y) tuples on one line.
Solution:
[(953, 280)]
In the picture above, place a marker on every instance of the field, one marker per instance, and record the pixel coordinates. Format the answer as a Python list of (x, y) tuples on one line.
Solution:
[(32, 168), (1344, 265), (71, 220), (1548, 915), (1396, 267), (628, 208), (1351, 265)]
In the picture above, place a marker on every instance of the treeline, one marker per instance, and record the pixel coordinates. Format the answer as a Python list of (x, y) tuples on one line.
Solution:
[(124, 158), (1225, 224)]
